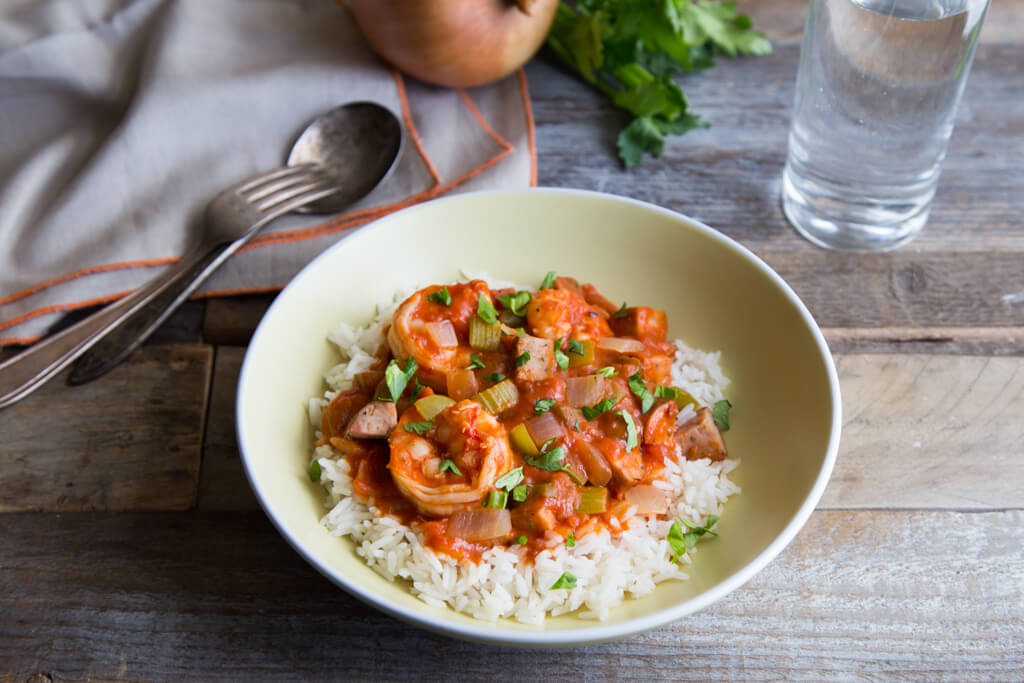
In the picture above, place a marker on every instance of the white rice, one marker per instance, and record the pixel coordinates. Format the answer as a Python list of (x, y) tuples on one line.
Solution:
[(608, 567)]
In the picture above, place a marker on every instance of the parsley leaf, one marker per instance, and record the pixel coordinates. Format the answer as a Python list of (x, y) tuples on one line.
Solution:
[(417, 388), (474, 362), (622, 312), (543, 405), (576, 425), (632, 435), (496, 377), (549, 280), (637, 386), (607, 371), (419, 427), (681, 542), (516, 302), (519, 493), (449, 466), (590, 412), (561, 360), (550, 460), (576, 346), (521, 540), (441, 296), (720, 411), (510, 479), (397, 378), (485, 309), (570, 541), (314, 471), (566, 580), (521, 359), (667, 392)]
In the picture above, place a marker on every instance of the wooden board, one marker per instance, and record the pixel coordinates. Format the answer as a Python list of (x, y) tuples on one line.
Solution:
[(88, 448), (177, 596)]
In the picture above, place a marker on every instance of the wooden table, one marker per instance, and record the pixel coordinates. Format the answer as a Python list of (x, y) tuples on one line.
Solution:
[(133, 548)]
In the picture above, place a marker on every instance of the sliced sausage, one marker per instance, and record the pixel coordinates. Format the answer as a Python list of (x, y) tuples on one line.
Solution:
[(699, 438), (641, 322), (374, 421), (660, 423), (542, 358)]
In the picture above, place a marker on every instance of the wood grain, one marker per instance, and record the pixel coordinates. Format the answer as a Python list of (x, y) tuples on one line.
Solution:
[(232, 320), (162, 596), (130, 440)]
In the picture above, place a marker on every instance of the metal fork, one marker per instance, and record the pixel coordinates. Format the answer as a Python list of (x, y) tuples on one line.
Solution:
[(232, 218)]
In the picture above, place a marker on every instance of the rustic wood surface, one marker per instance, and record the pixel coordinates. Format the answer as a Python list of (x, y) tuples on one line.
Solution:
[(140, 552)]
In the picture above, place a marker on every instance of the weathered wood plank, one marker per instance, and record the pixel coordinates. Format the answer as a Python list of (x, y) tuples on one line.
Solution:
[(960, 341), (130, 440), (222, 483), (930, 431), (232, 320), (163, 596)]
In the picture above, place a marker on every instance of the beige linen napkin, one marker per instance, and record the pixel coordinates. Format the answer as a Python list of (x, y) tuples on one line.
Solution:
[(120, 119)]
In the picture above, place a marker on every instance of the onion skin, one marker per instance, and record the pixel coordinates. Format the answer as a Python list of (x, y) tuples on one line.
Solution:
[(454, 43)]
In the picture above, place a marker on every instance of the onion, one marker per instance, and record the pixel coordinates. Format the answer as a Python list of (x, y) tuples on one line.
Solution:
[(584, 391), (620, 344), (594, 462), (461, 384), (647, 499), (480, 525), (544, 428), (443, 334), (456, 43)]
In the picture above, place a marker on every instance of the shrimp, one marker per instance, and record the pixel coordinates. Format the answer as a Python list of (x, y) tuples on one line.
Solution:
[(411, 333), (555, 313), (465, 434)]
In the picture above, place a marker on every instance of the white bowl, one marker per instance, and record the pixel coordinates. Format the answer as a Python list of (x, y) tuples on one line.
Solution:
[(718, 295)]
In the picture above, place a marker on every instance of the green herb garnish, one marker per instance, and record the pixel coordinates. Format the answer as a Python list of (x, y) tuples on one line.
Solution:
[(496, 499), (419, 427), (607, 371), (543, 405), (566, 580), (682, 542), (576, 425), (515, 302), (510, 479), (632, 436), (550, 460), (475, 362), (450, 466), (521, 540), (520, 492), (622, 312), (549, 280), (496, 377), (637, 386), (441, 296), (314, 471), (667, 392), (720, 411), (485, 309), (590, 412), (521, 359), (576, 346), (397, 378), (417, 388), (570, 541), (561, 360)]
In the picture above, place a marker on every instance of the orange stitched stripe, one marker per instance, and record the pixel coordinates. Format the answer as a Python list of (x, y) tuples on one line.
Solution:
[(531, 140), (56, 308), (407, 117), (480, 119), (39, 286)]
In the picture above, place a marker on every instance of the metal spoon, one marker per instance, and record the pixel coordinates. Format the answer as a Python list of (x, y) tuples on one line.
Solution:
[(339, 158)]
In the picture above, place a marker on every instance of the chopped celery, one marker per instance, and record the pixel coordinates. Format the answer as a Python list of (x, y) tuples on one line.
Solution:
[(581, 352), (498, 397), (593, 500), (522, 442), (576, 473), (430, 406), (497, 500), (484, 336)]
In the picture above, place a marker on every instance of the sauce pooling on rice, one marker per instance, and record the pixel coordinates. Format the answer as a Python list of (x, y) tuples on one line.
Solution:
[(513, 418)]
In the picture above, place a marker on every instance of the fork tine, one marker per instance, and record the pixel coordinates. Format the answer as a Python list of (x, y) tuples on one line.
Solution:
[(293, 197), (269, 188), (276, 174)]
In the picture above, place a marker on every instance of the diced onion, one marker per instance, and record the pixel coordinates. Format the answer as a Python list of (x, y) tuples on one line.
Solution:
[(596, 465), (480, 525), (584, 391), (442, 333), (647, 499), (544, 428), (430, 406), (461, 383), (620, 344)]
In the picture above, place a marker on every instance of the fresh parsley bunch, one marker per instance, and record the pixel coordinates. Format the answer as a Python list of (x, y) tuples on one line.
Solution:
[(631, 49)]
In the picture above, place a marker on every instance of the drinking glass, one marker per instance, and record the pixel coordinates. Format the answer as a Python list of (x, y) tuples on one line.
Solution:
[(876, 93)]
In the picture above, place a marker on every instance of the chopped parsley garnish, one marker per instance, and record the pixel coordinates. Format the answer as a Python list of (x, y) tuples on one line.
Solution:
[(632, 436), (576, 425), (314, 471), (637, 386), (510, 479), (607, 371), (519, 493), (720, 411), (441, 296), (566, 580), (561, 360), (521, 359), (622, 312), (521, 540), (543, 405), (549, 280), (474, 362), (516, 302), (496, 377), (485, 309), (497, 500), (682, 542), (417, 388), (397, 378), (590, 412), (576, 346), (450, 466), (667, 392), (420, 428), (570, 542), (550, 460)]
